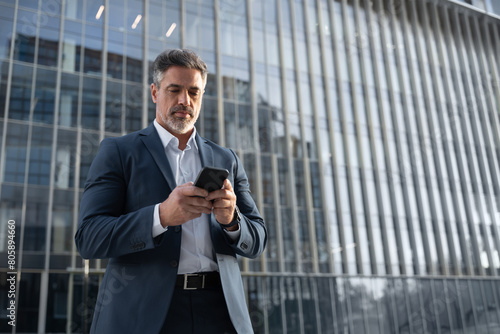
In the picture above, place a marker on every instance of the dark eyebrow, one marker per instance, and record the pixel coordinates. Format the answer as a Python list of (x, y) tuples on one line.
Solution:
[(173, 86), (180, 86)]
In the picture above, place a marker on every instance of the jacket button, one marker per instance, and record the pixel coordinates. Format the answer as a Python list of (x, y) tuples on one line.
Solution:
[(244, 246), (174, 263), (177, 229)]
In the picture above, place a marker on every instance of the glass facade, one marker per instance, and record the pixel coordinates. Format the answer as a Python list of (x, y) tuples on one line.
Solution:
[(370, 131)]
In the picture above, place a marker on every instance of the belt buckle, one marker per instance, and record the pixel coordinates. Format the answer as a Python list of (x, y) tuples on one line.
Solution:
[(186, 279)]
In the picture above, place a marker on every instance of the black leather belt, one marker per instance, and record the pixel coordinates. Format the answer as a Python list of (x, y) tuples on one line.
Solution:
[(198, 280)]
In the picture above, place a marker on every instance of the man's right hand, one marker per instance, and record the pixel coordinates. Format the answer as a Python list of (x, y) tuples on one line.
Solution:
[(184, 203)]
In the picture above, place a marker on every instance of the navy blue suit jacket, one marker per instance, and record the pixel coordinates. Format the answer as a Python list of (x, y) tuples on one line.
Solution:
[(127, 178)]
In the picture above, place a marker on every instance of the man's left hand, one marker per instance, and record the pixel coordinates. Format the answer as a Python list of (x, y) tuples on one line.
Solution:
[(224, 202)]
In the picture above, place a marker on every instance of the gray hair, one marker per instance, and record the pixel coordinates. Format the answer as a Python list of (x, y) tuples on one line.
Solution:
[(177, 57)]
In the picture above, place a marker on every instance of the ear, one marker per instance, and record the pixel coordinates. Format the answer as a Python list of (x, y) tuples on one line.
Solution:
[(154, 92)]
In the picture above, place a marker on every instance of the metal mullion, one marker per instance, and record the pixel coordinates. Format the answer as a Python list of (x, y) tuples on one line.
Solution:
[(434, 307), (435, 135), (474, 309), (405, 305), (362, 168), (104, 71), (219, 83), (313, 284), (281, 283), (345, 134), (494, 137), (479, 142), (306, 161), (385, 130), (33, 102), (373, 147), (277, 213), (374, 281), (145, 66), (7, 97), (459, 63), (448, 90), (404, 100), (495, 294), (342, 108), (495, 66), (409, 138), (326, 84), (491, 156), (255, 127), (290, 159), (336, 188), (493, 94), (431, 128), (333, 302), (394, 306), (123, 104), (348, 303), (298, 292), (407, 26), (244, 261), (274, 158), (439, 132), (76, 201), (23, 208), (4, 145), (496, 78), (85, 262), (421, 307), (44, 281), (263, 287)]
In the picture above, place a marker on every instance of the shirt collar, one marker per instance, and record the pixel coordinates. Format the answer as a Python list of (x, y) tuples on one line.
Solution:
[(166, 136)]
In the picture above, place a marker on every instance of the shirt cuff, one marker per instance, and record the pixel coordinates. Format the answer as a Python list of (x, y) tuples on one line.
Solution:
[(157, 227), (233, 235)]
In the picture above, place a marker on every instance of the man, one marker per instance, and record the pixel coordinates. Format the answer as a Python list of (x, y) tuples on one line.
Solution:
[(141, 210)]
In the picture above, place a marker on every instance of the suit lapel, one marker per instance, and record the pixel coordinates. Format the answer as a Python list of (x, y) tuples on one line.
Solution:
[(152, 141), (206, 153)]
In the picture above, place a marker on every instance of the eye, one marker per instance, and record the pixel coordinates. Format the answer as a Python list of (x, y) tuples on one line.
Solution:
[(194, 93)]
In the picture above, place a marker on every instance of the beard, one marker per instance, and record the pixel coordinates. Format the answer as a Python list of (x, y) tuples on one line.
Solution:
[(177, 124)]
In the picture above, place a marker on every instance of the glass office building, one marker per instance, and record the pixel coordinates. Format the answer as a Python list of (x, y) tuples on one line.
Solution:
[(370, 130)]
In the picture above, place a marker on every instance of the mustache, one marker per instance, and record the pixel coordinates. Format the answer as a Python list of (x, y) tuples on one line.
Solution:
[(187, 109)]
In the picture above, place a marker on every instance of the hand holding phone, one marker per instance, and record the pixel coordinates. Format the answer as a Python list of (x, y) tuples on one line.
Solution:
[(211, 178)]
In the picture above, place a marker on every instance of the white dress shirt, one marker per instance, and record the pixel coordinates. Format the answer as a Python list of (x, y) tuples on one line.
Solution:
[(197, 253)]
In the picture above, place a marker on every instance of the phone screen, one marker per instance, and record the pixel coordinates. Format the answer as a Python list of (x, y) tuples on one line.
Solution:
[(211, 178)]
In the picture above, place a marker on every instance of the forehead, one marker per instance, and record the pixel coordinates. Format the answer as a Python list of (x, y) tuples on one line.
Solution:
[(182, 76)]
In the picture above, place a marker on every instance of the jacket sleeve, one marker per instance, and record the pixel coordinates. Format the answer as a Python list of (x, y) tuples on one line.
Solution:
[(105, 230), (253, 236)]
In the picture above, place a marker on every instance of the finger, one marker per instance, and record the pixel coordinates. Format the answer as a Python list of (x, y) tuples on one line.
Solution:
[(197, 210), (226, 192), (221, 203), (187, 184), (227, 185), (196, 201), (190, 190)]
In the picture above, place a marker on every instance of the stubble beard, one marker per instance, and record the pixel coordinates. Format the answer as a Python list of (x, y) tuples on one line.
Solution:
[(176, 124)]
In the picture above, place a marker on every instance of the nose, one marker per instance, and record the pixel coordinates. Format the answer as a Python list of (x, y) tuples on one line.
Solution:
[(183, 98)]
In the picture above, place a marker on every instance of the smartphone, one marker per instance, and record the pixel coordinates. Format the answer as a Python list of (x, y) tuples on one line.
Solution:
[(211, 178)]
